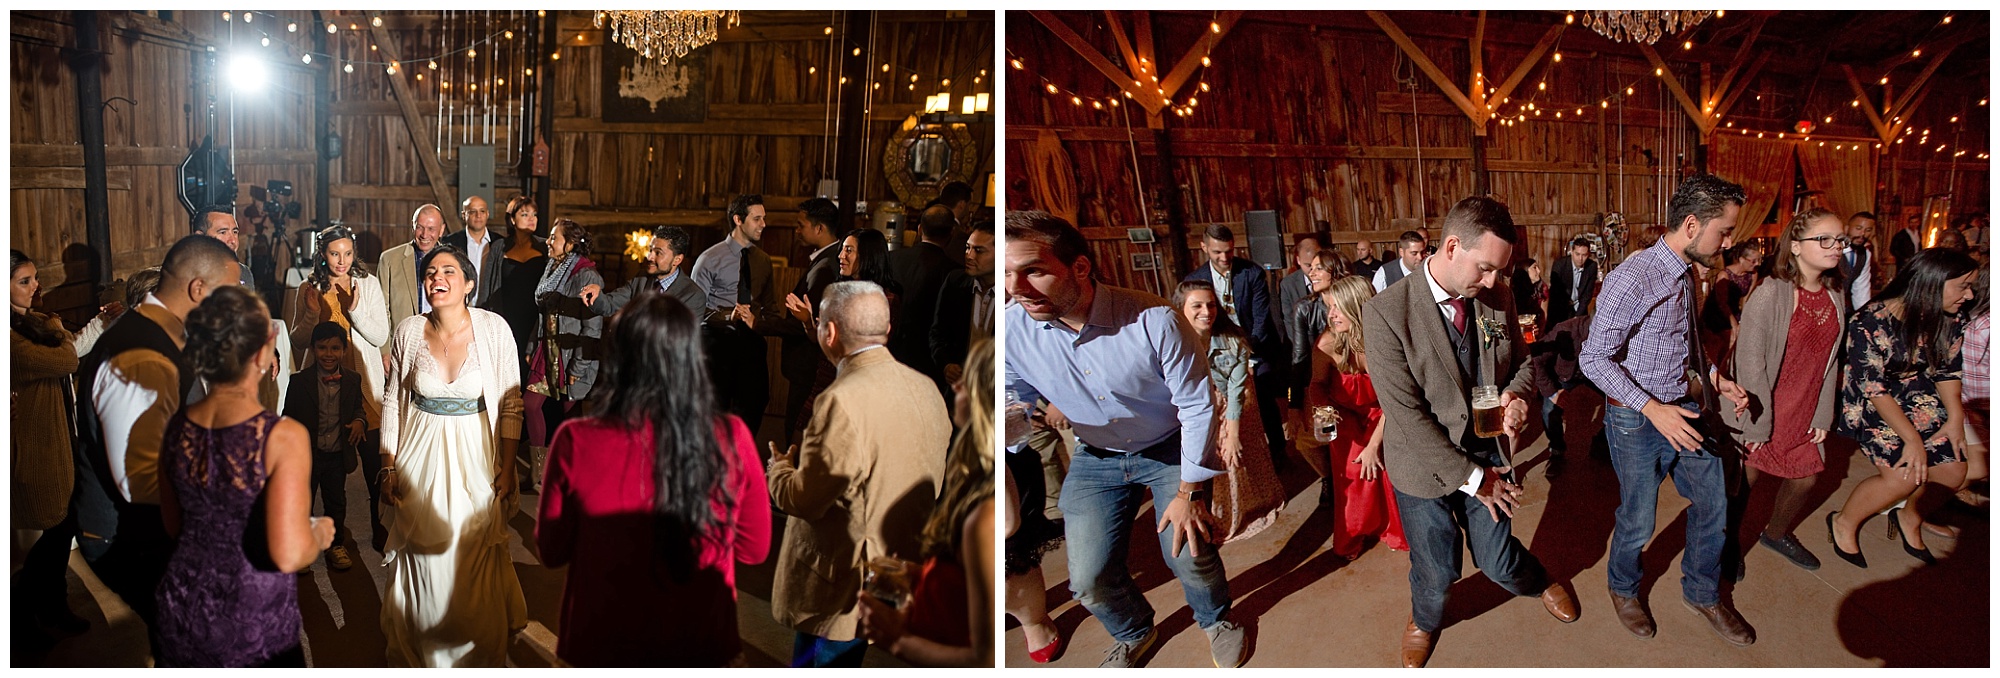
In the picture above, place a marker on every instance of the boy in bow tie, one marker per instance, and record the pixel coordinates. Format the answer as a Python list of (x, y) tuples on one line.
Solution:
[(327, 399)]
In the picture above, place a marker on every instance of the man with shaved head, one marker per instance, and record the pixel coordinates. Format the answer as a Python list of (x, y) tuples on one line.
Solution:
[(399, 265), (129, 384), (483, 247), (863, 481)]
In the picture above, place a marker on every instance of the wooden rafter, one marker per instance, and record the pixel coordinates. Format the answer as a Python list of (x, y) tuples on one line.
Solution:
[(1451, 90), (1141, 93), (420, 133), (1528, 62), (1867, 104), (1184, 68), (1736, 63), (1142, 29), (1736, 89), (1476, 89), (1923, 78), (1124, 43)]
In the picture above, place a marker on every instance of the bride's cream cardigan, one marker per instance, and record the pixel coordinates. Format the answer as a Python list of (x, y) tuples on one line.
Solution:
[(497, 356)]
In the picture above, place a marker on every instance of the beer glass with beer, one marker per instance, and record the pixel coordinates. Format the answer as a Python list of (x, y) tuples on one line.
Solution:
[(1487, 416), (887, 579)]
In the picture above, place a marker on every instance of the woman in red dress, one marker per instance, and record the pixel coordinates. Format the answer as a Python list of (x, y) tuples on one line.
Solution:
[(1784, 355), (1364, 507), (651, 503)]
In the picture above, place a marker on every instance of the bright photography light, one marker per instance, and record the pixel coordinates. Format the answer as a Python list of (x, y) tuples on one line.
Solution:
[(247, 72)]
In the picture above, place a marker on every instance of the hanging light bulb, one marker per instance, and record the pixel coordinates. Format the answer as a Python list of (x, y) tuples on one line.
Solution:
[(376, 21), (308, 58), (857, 51), (1954, 118), (529, 72), (1542, 86), (1051, 88), (557, 56), (1603, 104), (1569, 19), (246, 17), (1854, 104), (885, 68), (1883, 81), (349, 68), (332, 28), (1657, 72), (292, 27), (1204, 86), (1628, 91), (508, 34), (471, 53), (1916, 53), (1214, 27), (496, 81), (1688, 45), (1017, 64), (1114, 103), (266, 41), (945, 82), (829, 30), (1099, 105), (1828, 119), (1558, 57), (913, 77), (226, 16), (420, 77), (810, 70), (843, 80), (1076, 100), (391, 69)]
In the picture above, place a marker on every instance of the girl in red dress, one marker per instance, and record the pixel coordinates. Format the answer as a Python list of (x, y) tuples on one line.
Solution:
[(1364, 507), (1790, 327)]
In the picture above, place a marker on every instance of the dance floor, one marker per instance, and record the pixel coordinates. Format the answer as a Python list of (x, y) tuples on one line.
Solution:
[(1304, 607), (341, 608)]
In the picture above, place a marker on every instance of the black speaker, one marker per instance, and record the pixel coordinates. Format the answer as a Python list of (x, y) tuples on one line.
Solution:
[(1267, 243)]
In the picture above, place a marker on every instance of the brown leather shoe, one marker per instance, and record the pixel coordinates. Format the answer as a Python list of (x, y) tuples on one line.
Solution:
[(1559, 602), (1633, 615), (1417, 646), (1726, 622)]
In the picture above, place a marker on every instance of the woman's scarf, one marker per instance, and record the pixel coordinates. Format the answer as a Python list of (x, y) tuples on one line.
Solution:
[(556, 273)]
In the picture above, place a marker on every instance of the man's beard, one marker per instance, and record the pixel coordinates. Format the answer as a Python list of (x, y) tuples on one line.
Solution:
[(1711, 260)]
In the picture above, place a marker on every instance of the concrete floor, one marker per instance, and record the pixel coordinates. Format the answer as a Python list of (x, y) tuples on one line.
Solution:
[(1305, 607), (341, 608)]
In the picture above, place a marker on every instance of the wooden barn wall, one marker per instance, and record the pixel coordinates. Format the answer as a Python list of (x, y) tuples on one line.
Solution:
[(158, 93), (1320, 124), (766, 129)]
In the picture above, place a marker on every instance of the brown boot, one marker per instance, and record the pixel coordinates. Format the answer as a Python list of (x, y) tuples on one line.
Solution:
[(1417, 645), (1559, 602), (1633, 615), (1726, 622)]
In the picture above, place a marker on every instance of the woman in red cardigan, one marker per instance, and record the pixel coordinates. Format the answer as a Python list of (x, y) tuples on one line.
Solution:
[(652, 574)]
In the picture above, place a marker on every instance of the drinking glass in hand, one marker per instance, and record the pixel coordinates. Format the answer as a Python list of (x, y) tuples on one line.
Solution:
[(887, 579), (1325, 423), (1487, 417)]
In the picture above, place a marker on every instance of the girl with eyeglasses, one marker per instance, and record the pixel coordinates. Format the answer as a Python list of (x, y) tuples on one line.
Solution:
[(1785, 358)]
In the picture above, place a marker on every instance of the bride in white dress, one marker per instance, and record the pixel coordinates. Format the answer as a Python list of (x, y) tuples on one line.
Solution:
[(451, 419)]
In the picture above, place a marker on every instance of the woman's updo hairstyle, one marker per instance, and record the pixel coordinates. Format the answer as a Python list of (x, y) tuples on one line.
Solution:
[(225, 333)]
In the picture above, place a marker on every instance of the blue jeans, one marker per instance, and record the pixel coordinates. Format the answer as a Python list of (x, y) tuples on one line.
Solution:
[(813, 652), (1100, 498), (1642, 457), (1433, 528)]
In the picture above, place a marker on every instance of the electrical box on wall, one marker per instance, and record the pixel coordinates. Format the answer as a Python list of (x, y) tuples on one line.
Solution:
[(475, 175)]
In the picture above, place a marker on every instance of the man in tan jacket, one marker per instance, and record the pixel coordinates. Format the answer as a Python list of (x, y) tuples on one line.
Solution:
[(398, 266), (863, 481)]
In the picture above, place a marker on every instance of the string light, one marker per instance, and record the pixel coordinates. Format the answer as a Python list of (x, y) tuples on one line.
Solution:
[(1688, 45), (292, 27), (308, 58), (376, 22)]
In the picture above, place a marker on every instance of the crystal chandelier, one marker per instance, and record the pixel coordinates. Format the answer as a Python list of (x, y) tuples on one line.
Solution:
[(1641, 26), (665, 34)]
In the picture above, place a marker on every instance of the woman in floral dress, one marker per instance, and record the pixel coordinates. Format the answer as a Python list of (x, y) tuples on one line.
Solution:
[(1900, 399)]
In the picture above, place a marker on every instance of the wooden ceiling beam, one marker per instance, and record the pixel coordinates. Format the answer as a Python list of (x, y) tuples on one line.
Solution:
[(1673, 83), (1527, 64), (420, 132), (1142, 28), (1184, 68), (1476, 89), (1923, 78), (1742, 57), (1738, 87), (1146, 96), (1868, 106), (1452, 91), (1124, 43)]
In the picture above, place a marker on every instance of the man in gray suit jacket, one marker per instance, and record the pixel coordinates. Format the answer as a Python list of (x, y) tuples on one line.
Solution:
[(1431, 337), (663, 263), (399, 264)]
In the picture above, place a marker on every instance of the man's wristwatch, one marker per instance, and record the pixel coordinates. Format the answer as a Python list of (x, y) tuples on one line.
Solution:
[(1192, 495)]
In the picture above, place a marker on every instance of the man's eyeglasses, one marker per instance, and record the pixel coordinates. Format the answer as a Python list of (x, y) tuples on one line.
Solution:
[(1826, 242)]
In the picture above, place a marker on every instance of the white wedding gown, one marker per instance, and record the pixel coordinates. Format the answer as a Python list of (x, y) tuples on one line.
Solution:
[(452, 596)]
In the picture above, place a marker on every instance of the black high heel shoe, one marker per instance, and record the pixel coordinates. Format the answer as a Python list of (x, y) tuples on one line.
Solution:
[(1896, 526), (1855, 558)]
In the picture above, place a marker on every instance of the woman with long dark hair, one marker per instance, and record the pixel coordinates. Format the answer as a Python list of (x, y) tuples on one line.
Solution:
[(563, 356), (339, 290), (1308, 323), (230, 597), (44, 357), (1364, 506), (1786, 359), (1248, 497), (651, 502), (521, 269), (451, 422), (949, 621), (1900, 398)]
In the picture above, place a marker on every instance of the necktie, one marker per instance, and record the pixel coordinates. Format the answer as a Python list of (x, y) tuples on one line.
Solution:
[(743, 293), (1462, 315)]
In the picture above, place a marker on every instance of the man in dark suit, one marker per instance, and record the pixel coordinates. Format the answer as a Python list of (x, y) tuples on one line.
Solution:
[(920, 270), (484, 248), (1857, 260), (1244, 294), (822, 228), (326, 398), (663, 276), (965, 307), (1572, 283), (1448, 328)]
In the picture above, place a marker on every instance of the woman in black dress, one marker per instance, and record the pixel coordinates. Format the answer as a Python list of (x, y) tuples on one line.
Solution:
[(525, 260)]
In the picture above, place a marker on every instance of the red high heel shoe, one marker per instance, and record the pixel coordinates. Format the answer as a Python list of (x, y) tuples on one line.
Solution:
[(1049, 652)]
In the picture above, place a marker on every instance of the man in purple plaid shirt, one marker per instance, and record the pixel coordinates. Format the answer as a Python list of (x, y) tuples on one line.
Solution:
[(1644, 354)]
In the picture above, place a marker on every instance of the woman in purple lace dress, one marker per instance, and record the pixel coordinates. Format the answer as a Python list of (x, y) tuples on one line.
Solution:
[(229, 597)]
